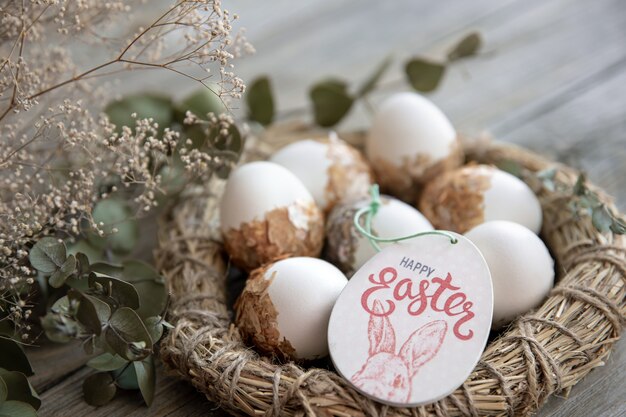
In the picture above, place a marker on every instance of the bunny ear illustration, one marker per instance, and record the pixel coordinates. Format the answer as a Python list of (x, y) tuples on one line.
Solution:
[(380, 332), (423, 345)]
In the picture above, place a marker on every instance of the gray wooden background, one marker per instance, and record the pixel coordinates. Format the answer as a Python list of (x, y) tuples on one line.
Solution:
[(552, 77)]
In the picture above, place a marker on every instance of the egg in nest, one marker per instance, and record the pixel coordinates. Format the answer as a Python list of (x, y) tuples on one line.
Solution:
[(348, 249), (267, 213), (469, 196), (285, 307), (409, 143), (330, 169)]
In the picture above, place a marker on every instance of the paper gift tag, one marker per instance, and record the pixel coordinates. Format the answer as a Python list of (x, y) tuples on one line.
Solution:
[(411, 324)]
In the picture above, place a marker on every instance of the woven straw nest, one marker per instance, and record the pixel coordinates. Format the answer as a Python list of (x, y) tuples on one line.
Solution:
[(543, 352)]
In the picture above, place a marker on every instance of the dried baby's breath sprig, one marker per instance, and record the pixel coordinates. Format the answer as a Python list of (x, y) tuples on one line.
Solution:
[(59, 158)]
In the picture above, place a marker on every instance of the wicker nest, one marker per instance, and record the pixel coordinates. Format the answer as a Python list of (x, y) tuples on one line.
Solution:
[(543, 352)]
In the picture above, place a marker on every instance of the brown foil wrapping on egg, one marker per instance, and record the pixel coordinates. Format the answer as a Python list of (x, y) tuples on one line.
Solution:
[(259, 242), (455, 201), (256, 317), (407, 181), (349, 176)]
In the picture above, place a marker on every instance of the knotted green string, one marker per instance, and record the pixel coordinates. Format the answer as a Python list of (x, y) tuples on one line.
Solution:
[(371, 209)]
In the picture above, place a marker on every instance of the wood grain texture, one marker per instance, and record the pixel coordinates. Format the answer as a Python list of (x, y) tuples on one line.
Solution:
[(552, 78)]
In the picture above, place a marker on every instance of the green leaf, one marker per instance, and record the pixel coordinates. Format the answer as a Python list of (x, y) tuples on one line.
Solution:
[(510, 166), (58, 278), (99, 389), (4, 391), (13, 357), (260, 101), (110, 270), (331, 102), (82, 248), (468, 46), (370, 83), (121, 291), (424, 75), (92, 312), (149, 284), (47, 255), (547, 177), (601, 218), (16, 409), (145, 105), (115, 214), (59, 328), (126, 377), (579, 187), (146, 377), (618, 226), (127, 335), (154, 325), (201, 102), (107, 362), (19, 389)]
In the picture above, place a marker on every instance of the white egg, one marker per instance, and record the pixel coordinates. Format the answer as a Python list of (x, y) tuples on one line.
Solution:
[(410, 142), (329, 168), (266, 213), (347, 248), (285, 307), (462, 199), (522, 270)]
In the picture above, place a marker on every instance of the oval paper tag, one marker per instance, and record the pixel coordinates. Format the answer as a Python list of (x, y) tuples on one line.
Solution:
[(411, 324)]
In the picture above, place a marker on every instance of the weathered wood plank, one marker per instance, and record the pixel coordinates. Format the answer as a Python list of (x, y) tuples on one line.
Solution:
[(587, 132), (172, 398)]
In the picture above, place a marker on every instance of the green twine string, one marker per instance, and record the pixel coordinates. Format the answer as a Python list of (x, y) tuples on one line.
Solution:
[(371, 210)]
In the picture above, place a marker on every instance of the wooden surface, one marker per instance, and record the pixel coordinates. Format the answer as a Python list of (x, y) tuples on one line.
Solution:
[(552, 77)]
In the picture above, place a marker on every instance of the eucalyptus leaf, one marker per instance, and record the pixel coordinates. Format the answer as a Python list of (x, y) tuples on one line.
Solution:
[(17, 409), (4, 391), (154, 325), (58, 278), (59, 328), (424, 75), (510, 166), (260, 101), (122, 291), (579, 188), (618, 226), (370, 83), (85, 249), (110, 270), (107, 362), (146, 105), (126, 377), (547, 177), (201, 102), (19, 389), (601, 218), (150, 286), (146, 377), (115, 214), (331, 102), (47, 255), (13, 357), (468, 46), (99, 389), (127, 335), (92, 312)]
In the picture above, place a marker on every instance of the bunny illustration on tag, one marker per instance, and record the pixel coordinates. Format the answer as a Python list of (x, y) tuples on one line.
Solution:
[(387, 374)]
